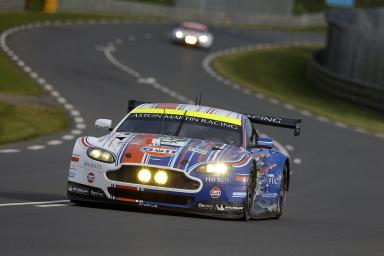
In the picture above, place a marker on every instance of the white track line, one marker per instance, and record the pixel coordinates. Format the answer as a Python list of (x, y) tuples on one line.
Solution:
[(10, 150), (52, 205), (297, 161), (35, 203), (147, 80)]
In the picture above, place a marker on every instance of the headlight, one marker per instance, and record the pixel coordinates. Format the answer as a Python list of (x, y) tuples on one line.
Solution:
[(144, 175), (203, 39), (214, 168), (179, 34), (190, 39), (100, 155), (161, 177)]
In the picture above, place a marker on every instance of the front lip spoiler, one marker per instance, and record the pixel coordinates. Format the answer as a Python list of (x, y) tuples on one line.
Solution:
[(111, 204), (105, 202)]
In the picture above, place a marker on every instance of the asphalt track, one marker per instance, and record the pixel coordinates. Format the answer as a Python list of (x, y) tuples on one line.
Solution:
[(334, 207)]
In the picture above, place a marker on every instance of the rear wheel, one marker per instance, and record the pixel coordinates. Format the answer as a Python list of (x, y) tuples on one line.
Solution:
[(251, 190), (282, 192)]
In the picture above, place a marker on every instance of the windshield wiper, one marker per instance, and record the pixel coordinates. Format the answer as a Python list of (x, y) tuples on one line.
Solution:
[(180, 124)]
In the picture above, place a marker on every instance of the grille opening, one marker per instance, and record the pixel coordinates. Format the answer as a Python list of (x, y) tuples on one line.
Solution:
[(128, 173), (151, 196)]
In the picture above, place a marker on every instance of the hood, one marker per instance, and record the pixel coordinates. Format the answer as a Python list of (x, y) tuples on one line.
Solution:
[(168, 151)]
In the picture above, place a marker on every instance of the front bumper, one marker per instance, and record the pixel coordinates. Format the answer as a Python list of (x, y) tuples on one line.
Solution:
[(192, 43), (154, 199)]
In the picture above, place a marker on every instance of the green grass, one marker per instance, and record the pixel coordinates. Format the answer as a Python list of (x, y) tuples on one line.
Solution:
[(14, 81), (281, 73), (21, 123)]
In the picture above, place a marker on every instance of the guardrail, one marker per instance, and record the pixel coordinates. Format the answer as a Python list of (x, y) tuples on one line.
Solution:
[(355, 91)]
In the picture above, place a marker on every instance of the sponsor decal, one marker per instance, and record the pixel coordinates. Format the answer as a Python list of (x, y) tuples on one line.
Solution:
[(215, 192), (239, 194), (85, 191), (92, 165), (273, 181), (197, 150), (233, 208), (268, 119), (91, 177), (141, 203), (231, 124), (96, 194), (172, 141), (78, 190), (216, 179), (205, 206), (159, 151), (221, 207)]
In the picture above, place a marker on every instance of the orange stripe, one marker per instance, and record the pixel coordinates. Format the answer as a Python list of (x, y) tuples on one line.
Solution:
[(75, 159), (126, 199), (245, 159), (126, 187), (201, 157), (184, 154), (243, 179)]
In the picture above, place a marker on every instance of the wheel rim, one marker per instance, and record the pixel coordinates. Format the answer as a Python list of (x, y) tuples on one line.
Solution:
[(283, 192), (250, 193)]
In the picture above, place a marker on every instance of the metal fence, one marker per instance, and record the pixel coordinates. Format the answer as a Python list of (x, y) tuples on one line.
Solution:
[(11, 5), (352, 64)]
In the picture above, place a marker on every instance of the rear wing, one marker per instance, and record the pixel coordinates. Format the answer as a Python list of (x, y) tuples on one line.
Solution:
[(294, 124)]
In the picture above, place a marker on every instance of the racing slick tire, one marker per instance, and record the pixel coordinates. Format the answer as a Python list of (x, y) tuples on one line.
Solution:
[(282, 193), (250, 196)]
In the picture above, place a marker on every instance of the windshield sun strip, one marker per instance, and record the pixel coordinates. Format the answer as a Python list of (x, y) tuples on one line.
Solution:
[(187, 113)]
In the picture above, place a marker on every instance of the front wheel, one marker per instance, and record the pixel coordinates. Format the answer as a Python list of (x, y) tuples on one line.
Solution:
[(251, 190), (282, 192)]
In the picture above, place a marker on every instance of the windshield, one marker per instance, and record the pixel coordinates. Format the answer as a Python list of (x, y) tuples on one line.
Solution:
[(191, 127)]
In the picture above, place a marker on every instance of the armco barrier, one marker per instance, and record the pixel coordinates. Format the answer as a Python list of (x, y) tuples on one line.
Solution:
[(368, 95), (352, 64)]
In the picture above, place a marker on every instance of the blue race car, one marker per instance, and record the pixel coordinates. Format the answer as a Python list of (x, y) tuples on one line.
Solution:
[(192, 158)]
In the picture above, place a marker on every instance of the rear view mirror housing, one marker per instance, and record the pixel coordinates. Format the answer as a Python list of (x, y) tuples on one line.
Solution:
[(264, 143), (103, 124)]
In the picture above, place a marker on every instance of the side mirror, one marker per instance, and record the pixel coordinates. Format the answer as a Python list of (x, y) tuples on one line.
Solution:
[(103, 124), (264, 143)]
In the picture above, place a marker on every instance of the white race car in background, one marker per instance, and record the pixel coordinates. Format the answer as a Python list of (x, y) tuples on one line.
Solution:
[(192, 33)]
